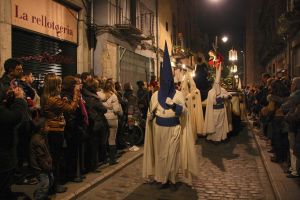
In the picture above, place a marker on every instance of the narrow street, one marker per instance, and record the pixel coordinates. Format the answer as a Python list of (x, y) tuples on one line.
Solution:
[(231, 170)]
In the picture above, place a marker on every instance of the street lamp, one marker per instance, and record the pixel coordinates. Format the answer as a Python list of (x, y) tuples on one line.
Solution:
[(233, 55), (233, 69), (224, 39)]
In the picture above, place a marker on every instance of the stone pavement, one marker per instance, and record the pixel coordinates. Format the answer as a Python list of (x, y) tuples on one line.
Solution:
[(91, 180), (231, 170), (284, 188)]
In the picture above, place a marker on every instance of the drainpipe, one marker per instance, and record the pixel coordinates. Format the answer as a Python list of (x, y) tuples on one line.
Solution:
[(92, 38), (157, 41)]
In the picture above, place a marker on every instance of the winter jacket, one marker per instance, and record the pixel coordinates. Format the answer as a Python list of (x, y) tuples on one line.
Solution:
[(95, 109), (112, 104), (289, 109), (9, 118), (132, 105), (273, 107), (5, 81), (53, 109), (75, 127), (40, 157), (143, 98), (292, 101)]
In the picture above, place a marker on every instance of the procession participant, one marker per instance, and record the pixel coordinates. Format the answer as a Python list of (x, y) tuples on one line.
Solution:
[(194, 104), (216, 121), (201, 77), (168, 145)]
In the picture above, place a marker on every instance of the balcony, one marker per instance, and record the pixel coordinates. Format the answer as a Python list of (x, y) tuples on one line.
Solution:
[(133, 26)]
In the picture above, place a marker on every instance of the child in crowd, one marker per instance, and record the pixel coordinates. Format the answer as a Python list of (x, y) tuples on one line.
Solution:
[(41, 161)]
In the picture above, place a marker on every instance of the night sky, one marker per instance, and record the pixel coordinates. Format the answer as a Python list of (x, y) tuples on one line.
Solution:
[(223, 17)]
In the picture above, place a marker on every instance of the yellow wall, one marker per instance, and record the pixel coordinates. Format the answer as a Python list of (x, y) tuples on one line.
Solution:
[(165, 15)]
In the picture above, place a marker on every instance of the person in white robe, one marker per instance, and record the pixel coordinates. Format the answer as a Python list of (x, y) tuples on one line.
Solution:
[(194, 104), (169, 148), (216, 124)]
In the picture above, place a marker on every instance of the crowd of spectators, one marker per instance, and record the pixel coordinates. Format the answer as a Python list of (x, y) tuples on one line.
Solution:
[(57, 134), (274, 108)]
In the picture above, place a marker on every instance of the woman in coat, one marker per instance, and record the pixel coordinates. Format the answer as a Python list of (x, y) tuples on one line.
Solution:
[(97, 125), (53, 109), (74, 131), (114, 109)]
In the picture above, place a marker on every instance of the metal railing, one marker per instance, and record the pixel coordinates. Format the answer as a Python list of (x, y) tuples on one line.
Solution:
[(144, 17)]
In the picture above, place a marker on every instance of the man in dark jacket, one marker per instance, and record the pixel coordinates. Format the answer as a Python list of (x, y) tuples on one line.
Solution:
[(132, 100), (143, 98), (10, 117), (201, 77), (12, 78), (289, 108), (13, 70)]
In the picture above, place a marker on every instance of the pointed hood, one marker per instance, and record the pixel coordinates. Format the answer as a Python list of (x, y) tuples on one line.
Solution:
[(167, 87)]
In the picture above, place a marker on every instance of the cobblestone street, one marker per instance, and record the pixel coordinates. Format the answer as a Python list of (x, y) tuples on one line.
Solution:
[(231, 170)]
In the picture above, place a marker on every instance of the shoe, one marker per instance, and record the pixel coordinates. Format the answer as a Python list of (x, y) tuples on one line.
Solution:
[(173, 187), (96, 171), (26, 181), (134, 148), (112, 155), (113, 162), (77, 180), (60, 189), (287, 171), (292, 176), (271, 151), (276, 160), (162, 186)]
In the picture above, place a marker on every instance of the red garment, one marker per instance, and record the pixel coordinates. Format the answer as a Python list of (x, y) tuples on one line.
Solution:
[(84, 112), (215, 61)]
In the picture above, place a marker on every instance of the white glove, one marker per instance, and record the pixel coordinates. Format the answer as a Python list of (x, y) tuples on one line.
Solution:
[(169, 101)]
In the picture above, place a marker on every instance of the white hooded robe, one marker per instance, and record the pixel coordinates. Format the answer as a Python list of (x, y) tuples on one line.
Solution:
[(169, 150), (194, 104)]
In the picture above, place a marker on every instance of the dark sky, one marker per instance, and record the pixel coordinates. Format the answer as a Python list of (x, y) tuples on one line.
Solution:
[(223, 17)]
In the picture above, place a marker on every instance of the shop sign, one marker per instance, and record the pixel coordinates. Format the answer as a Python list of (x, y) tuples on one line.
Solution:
[(46, 17)]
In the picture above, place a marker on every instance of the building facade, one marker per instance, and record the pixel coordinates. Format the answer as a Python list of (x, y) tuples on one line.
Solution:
[(47, 36), (130, 38), (119, 39), (273, 38)]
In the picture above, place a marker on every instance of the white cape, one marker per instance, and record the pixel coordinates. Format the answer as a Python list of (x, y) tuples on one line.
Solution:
[(194, 104), (188, 154), (209, 124)]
